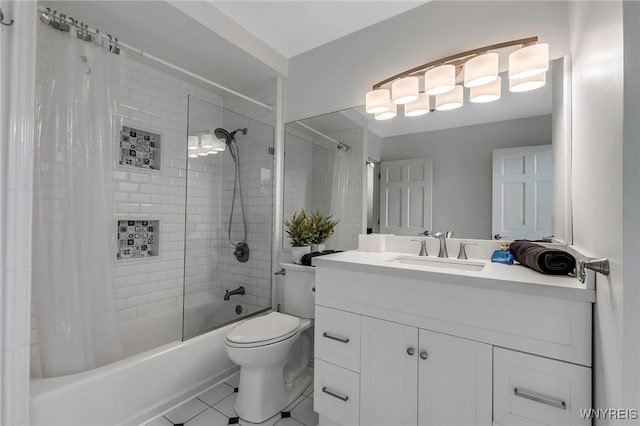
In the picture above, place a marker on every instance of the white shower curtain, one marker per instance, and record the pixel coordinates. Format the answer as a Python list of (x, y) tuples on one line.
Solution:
[(340, 200), (72, 250)]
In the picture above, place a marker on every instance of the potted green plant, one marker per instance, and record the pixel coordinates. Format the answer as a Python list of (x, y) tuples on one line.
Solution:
[(323, 228), (300, 232)]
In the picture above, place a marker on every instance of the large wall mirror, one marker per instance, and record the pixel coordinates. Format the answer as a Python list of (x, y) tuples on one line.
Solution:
[(483, 171)]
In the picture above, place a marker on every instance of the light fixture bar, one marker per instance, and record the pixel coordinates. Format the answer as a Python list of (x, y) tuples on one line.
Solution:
[(457, 59)]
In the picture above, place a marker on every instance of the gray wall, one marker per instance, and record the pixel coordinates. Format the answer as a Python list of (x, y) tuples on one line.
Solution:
[(598, 90), (462, 167)]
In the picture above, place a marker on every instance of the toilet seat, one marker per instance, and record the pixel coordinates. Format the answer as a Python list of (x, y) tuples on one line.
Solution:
[(264, 330)]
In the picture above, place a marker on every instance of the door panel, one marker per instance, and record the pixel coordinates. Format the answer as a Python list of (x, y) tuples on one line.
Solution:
[(388, 374), (405, 196), (523, 192), (455, 381)]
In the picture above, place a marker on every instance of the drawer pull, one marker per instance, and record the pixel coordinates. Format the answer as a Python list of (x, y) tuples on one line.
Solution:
[(541, 400), (335, 395), (336, 338)]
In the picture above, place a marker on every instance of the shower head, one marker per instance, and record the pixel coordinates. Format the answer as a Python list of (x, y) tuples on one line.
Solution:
[(226, 136)]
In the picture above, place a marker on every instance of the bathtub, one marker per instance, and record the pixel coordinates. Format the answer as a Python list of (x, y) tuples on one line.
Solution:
[(140, 386)]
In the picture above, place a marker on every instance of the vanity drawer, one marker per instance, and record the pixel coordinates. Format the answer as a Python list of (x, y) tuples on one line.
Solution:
[(336, 393), (532, 390), (337, 337)]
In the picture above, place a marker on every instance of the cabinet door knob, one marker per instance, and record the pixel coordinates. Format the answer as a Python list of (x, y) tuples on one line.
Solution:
[(410, 351), (424, 355)]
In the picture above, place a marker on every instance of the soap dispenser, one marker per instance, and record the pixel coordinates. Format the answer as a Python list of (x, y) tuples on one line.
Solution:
[(503, 255)]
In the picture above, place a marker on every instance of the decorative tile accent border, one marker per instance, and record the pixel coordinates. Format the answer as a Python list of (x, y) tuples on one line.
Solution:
[(137, 239), (139, 148)]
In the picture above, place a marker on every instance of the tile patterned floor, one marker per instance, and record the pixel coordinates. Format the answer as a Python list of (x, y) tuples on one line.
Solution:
[(215, 408)]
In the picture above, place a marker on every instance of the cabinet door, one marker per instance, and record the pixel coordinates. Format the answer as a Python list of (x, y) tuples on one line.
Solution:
[(388, 373), (455, 378)]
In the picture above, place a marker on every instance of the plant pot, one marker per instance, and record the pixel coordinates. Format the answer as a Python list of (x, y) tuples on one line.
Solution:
[(298, 252), (318, 247)]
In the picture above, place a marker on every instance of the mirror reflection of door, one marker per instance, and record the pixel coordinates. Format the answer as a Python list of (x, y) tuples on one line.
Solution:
[(373, 196), (405, 196), (523, 193)]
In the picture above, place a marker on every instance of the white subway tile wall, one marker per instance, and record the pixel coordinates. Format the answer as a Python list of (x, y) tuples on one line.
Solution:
[(145, 98)]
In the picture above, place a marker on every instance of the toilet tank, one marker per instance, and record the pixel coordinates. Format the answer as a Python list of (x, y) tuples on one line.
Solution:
[(299, 284)]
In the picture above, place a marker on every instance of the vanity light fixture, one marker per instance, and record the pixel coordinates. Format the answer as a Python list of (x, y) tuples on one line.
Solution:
[(528, 61), (476, 69), (440, 79), (417, 107), (193, 154), (206, 141), (481, 70), (192, 142), (392, 112), (219, 145), (453, 99), (487, 92), (405, 90), (525, 84), (378, 100)]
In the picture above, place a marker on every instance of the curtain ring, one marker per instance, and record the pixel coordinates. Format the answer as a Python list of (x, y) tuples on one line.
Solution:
[(2, 20)]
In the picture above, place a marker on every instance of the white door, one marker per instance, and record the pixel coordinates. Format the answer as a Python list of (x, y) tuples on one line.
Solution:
[(455, 381), (405, 196), (388, 373), (522, 192)]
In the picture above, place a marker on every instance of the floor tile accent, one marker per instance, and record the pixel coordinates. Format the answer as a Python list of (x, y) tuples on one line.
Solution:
[(209, 417), (216, 394), (186, 411)]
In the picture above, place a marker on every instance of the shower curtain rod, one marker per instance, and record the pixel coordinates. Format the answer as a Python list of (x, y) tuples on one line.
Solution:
[(168, 64), (329, 138)]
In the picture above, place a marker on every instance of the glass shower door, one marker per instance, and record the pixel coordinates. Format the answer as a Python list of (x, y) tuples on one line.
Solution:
[(229, 217)]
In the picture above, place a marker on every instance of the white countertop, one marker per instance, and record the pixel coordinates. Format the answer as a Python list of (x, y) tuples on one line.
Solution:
[(496, 276)]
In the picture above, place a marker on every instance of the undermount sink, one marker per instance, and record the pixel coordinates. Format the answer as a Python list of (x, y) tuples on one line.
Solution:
[(435, 262)]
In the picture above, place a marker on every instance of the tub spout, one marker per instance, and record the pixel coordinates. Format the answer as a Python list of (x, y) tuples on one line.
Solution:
[(239, 291)]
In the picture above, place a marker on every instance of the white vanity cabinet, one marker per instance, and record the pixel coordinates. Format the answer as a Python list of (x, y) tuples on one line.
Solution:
[(421, 350), (410, 376)]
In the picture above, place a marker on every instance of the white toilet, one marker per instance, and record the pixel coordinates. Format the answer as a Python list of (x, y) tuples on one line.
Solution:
[(273, 350)]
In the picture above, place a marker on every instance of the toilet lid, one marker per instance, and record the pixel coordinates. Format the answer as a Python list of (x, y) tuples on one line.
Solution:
[(260, 330)]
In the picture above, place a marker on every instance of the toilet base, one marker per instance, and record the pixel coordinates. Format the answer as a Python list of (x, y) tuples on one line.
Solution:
[(259, 385), (275, 398)]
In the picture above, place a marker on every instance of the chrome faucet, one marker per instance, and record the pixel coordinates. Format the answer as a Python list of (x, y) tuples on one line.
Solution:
[(443, 244), (462, 254), (423, 247), (239, 291)]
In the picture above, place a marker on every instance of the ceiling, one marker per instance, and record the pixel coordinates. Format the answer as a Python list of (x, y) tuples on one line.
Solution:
[(294, 27)]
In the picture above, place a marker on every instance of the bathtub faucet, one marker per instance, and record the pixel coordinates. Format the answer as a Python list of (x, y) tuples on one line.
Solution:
[(239, 290)]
